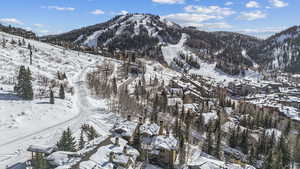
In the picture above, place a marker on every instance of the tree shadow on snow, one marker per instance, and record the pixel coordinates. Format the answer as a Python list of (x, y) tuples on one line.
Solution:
[(9, 96), (43, 103), (17, 166)]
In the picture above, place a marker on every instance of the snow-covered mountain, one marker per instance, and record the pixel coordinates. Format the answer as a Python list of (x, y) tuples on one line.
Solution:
[(281, 51), (147, 34), (129, 31)]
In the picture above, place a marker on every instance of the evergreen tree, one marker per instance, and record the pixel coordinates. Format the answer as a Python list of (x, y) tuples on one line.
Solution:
[(155, 109), (67, 142), (297, 154), (268, 164), (114, 86), (182, 147), (92, 134), (288, 128), (30, 56), (51, 97), (200, 121), (252, 156), (244, 142), (209, 139), (62, 143), (285, 152), (61, 92), (164, 101), (218, 144), (81, 141), (232, 139), (24, 85), (28, 86), (262, 144), (19, 88)]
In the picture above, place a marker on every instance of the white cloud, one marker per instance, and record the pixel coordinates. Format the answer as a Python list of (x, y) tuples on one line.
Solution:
[(169, 1), (263, 30), (215, 25), (250, 16), (278, 3), (11, 21), (213, 10), (228, 3), (59, 8), (97, 12), (252, 4), (38, 25), (188, 19)]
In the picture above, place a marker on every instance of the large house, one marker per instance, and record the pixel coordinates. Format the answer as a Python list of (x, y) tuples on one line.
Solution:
[(158, 147), (164, 150), (126, 129)]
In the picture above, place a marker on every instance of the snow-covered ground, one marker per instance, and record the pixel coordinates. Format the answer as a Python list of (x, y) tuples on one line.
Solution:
[(23, 123)]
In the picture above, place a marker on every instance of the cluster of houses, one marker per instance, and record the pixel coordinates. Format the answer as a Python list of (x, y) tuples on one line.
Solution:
[(154, 142), (138, 140), (130, 141)]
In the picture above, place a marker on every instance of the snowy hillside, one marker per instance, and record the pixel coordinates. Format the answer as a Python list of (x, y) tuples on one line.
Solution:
[(280, 51), (25, 122), (148, 29), (173, 53)]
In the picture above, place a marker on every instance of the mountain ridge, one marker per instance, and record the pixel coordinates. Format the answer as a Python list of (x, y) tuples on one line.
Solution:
[(145, 34)]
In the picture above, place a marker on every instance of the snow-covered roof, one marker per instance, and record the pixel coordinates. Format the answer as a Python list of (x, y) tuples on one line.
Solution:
[(192, 107), (100, 159), (209, 116), (277, 133), (149, 129), (204, 161), (173, 101), (40, 149), (60, 158), (165, 142), (125, 128)]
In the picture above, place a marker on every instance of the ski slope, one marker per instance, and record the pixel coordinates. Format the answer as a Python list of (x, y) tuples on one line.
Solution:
[(170, 52)]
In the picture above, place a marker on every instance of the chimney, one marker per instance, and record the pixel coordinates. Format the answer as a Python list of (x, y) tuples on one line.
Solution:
[(125, 150), (141, 120), (167, 132), (117, 141), (161, 129), (151, 120), (129, 117), (111, 156)]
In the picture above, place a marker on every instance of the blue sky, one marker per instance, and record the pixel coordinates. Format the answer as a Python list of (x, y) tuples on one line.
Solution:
[(255, 17)]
